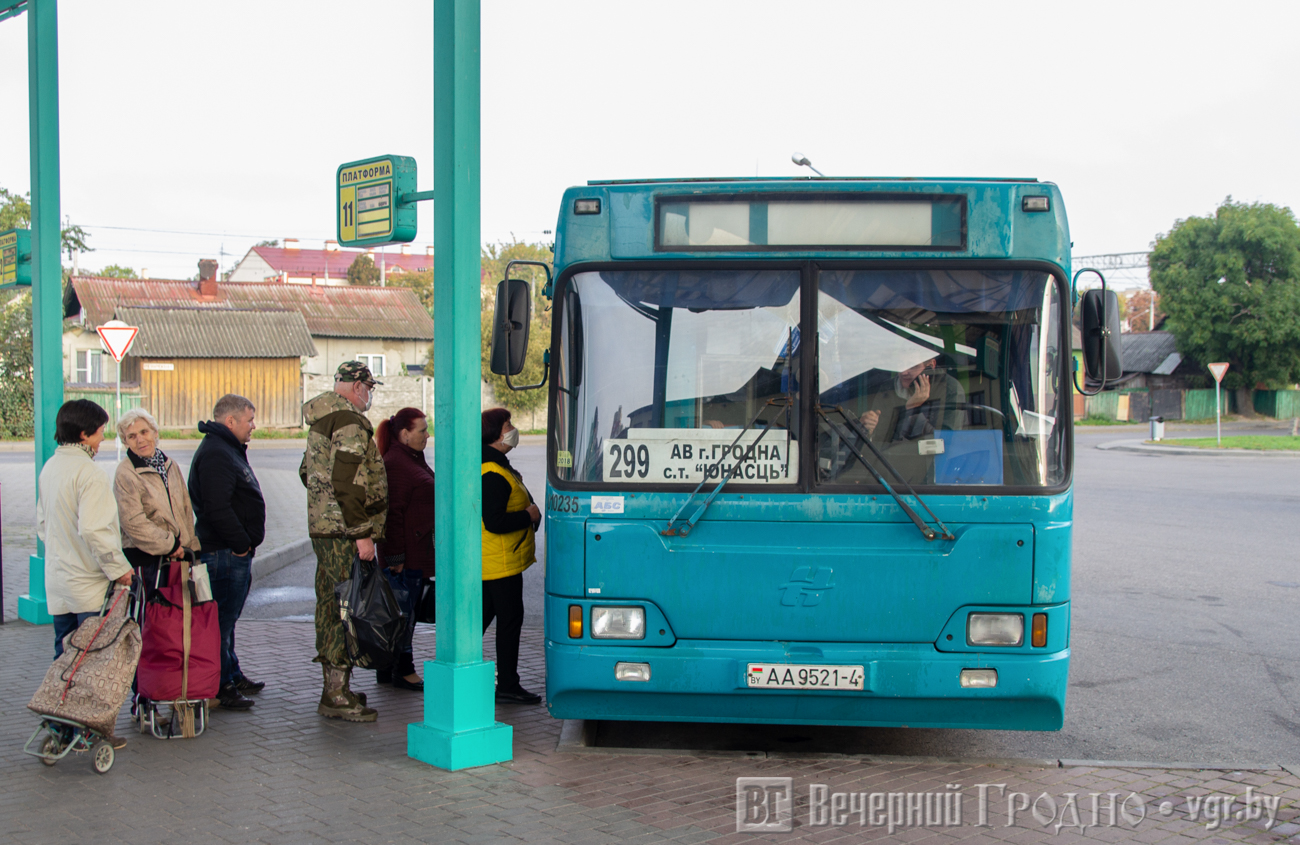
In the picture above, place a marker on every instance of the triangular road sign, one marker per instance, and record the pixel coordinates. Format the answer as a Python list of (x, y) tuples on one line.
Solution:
[(1218, 370), (117, 337)]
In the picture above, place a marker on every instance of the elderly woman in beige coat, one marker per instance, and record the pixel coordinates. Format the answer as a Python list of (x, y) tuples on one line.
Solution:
[(153, 503)]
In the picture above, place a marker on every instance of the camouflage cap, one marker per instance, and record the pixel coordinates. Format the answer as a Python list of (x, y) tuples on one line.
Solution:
[(355, 371)]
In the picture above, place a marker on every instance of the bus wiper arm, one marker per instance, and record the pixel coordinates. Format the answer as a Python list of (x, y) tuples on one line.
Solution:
[(857, 428), (689, 524)]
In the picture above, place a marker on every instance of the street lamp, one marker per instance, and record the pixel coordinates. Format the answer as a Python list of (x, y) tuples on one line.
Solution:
[(802, 161)]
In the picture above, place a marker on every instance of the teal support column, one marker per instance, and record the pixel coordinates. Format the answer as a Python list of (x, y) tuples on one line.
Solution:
[(47, 271), (459, 728)]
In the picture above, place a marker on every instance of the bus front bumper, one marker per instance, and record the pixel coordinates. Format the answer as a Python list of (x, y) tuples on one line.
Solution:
[(905, 685)]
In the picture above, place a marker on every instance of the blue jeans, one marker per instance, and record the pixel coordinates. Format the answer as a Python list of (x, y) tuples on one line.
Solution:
[(66, 623), (408, 580), (230, 576)]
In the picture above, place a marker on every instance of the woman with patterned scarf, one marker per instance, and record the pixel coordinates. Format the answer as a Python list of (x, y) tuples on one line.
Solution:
[(153, 502)]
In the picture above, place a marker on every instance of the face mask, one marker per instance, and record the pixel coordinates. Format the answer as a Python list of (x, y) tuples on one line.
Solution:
[(511, 438)]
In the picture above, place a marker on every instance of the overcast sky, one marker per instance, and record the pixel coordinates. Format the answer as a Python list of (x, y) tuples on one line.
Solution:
[(229, 119)]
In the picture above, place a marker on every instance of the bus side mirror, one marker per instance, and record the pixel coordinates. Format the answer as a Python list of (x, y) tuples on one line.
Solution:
[(510, 326), (1100, 335)]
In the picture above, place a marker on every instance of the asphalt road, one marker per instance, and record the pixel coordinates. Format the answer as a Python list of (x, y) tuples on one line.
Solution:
[(1185, 630)]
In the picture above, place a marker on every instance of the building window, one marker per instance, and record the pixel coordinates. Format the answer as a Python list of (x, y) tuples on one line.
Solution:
[(374, 362), (89, 367)]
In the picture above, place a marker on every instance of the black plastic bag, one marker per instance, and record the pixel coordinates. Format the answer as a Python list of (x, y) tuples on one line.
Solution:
[(373, 623), (425, 607)]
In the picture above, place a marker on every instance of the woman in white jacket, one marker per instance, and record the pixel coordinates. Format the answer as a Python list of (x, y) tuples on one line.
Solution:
[(76, 519)]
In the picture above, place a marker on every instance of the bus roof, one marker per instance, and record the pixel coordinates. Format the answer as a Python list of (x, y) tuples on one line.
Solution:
[(813, 179), (979, 218)]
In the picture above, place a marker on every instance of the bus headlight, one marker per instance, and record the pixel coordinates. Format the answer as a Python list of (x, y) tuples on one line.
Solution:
[(618, 623), (996, 629)]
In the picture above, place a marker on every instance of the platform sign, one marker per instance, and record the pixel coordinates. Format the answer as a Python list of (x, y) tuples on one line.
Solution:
[(369, 205), (15, 258)]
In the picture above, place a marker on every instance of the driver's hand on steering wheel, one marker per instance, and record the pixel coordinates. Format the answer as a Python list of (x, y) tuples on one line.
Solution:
[(869, 420)]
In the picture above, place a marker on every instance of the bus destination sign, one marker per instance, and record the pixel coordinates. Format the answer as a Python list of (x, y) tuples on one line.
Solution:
[(692, 455), (15, 258), (369, 201)]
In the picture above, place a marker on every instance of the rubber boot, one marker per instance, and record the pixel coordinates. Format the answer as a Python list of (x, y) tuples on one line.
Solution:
[(336, 702)]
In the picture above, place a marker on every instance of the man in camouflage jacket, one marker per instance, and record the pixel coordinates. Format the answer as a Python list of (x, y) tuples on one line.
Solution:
[(347, 505)]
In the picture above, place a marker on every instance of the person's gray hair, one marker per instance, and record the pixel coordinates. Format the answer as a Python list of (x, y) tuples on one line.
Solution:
[(232, 404), (129, 418)]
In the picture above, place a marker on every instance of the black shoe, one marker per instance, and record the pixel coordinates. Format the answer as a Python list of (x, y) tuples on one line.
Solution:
[(518, 695), (248, 687), (414, 686), (383, 676), (230, 698)]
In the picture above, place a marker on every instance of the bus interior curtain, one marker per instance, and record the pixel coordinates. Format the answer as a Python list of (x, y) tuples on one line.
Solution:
[(937, 291), (703, 289)]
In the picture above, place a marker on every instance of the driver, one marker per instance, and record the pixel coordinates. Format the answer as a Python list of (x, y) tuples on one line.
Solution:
[(903, 415)]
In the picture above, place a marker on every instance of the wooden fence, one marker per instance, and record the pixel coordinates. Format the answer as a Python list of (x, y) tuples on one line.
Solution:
[(180, 392)]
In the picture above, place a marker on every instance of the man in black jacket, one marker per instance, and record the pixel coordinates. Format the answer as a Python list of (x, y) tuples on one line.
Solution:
[(230, 522)]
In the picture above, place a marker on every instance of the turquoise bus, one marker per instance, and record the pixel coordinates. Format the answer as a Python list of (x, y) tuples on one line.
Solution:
[(809, 451)]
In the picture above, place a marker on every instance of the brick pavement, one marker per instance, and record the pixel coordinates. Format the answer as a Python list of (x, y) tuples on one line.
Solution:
[(281, 774)]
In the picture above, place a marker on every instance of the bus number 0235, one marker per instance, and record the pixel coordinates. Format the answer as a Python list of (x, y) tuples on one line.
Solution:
[(633, 460)]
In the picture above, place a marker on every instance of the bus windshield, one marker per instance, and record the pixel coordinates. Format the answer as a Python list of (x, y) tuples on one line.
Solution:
[(952, 375)]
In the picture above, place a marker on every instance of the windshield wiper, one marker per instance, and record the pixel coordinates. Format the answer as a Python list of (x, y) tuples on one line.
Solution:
[(926, 531), (689, 524)]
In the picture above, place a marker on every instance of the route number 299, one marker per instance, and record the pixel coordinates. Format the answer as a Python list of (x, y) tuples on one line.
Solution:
[(629, 461)]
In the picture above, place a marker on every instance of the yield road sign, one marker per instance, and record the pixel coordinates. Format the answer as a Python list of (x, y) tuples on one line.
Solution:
[(1218, 370), (117, 337)]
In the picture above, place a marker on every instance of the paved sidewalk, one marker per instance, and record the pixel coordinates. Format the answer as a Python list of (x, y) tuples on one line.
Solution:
[(281, 774)]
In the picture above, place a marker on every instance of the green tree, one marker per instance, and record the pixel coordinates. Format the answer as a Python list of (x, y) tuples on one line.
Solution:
[(1230, 285), (114, 271), (421, 284), (16, 383), (363, 271), (266, 243), (16, 213)]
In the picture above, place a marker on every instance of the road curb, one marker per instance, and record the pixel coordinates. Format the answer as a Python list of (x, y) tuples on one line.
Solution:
[(277, 559), (1148, 449)]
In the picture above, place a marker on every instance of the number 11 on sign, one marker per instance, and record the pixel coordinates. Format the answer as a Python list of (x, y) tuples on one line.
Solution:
[(1217, 370)]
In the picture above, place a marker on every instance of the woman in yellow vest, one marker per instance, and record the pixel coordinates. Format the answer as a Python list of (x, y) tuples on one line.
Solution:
[(510, 521)]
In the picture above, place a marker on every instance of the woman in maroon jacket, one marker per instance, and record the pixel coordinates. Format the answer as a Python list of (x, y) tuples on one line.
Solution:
[(407, 547)]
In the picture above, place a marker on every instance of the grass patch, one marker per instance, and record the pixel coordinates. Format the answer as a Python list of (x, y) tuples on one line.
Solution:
[(258, 434), (1258, 442), (1103, 421)]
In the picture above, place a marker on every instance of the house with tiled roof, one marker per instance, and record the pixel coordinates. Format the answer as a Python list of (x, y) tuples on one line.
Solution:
[(291, 264), (197, 338)]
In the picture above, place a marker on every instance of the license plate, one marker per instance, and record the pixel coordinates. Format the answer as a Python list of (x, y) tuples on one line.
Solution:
[(802, 676)]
